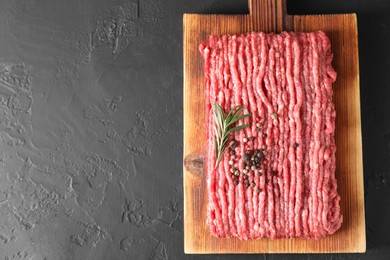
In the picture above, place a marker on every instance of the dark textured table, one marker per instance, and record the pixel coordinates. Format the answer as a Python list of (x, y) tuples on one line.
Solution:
[(91, 126)]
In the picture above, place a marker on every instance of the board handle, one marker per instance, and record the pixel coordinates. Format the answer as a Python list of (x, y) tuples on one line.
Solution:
[(270, 16)]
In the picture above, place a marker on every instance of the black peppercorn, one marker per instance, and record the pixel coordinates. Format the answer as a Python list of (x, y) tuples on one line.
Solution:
[(246, 157), (233, 144)]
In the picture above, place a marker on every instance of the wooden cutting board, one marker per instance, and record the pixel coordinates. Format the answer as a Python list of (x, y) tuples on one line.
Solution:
[(271, 16)]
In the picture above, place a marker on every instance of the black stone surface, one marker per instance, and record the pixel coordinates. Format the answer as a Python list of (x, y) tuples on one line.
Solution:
[(91, 126)]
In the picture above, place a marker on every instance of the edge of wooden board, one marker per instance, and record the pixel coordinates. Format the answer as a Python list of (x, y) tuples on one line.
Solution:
[(363, 244), (189, 248), (362, 248)]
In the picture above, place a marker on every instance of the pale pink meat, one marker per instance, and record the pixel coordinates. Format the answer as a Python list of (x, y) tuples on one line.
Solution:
[(285, 81)]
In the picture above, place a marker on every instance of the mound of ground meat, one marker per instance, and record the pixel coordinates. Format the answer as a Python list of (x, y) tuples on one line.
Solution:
[(277, 179)]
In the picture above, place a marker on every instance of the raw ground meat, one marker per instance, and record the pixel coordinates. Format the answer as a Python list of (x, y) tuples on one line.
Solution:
[(288, 188)]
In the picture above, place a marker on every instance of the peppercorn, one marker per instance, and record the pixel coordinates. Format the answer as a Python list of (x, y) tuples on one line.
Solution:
[(233, 144), (245, 140), (259, 174), (258, 124), (231, 162), (232, 170), (253, 184), (245, 177), (246, 157), (274, 116), (258, 129), (264, 147), (236, 182), (253, 168), (236, 173), (232, 152), (249, 152), (258, 190), (251, 138), (264, 135), (295, 145), (245, 171)]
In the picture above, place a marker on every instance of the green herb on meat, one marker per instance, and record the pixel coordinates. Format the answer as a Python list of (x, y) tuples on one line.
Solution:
[(223, 126)]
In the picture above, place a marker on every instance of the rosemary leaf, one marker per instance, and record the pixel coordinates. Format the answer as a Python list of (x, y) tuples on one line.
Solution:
[(237, 128), (238, 119)]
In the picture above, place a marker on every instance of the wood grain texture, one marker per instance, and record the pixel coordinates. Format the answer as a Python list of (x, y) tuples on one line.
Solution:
[(271, 16)]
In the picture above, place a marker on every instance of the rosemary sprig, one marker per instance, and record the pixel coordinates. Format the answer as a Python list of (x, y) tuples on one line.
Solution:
[(223, 126)]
